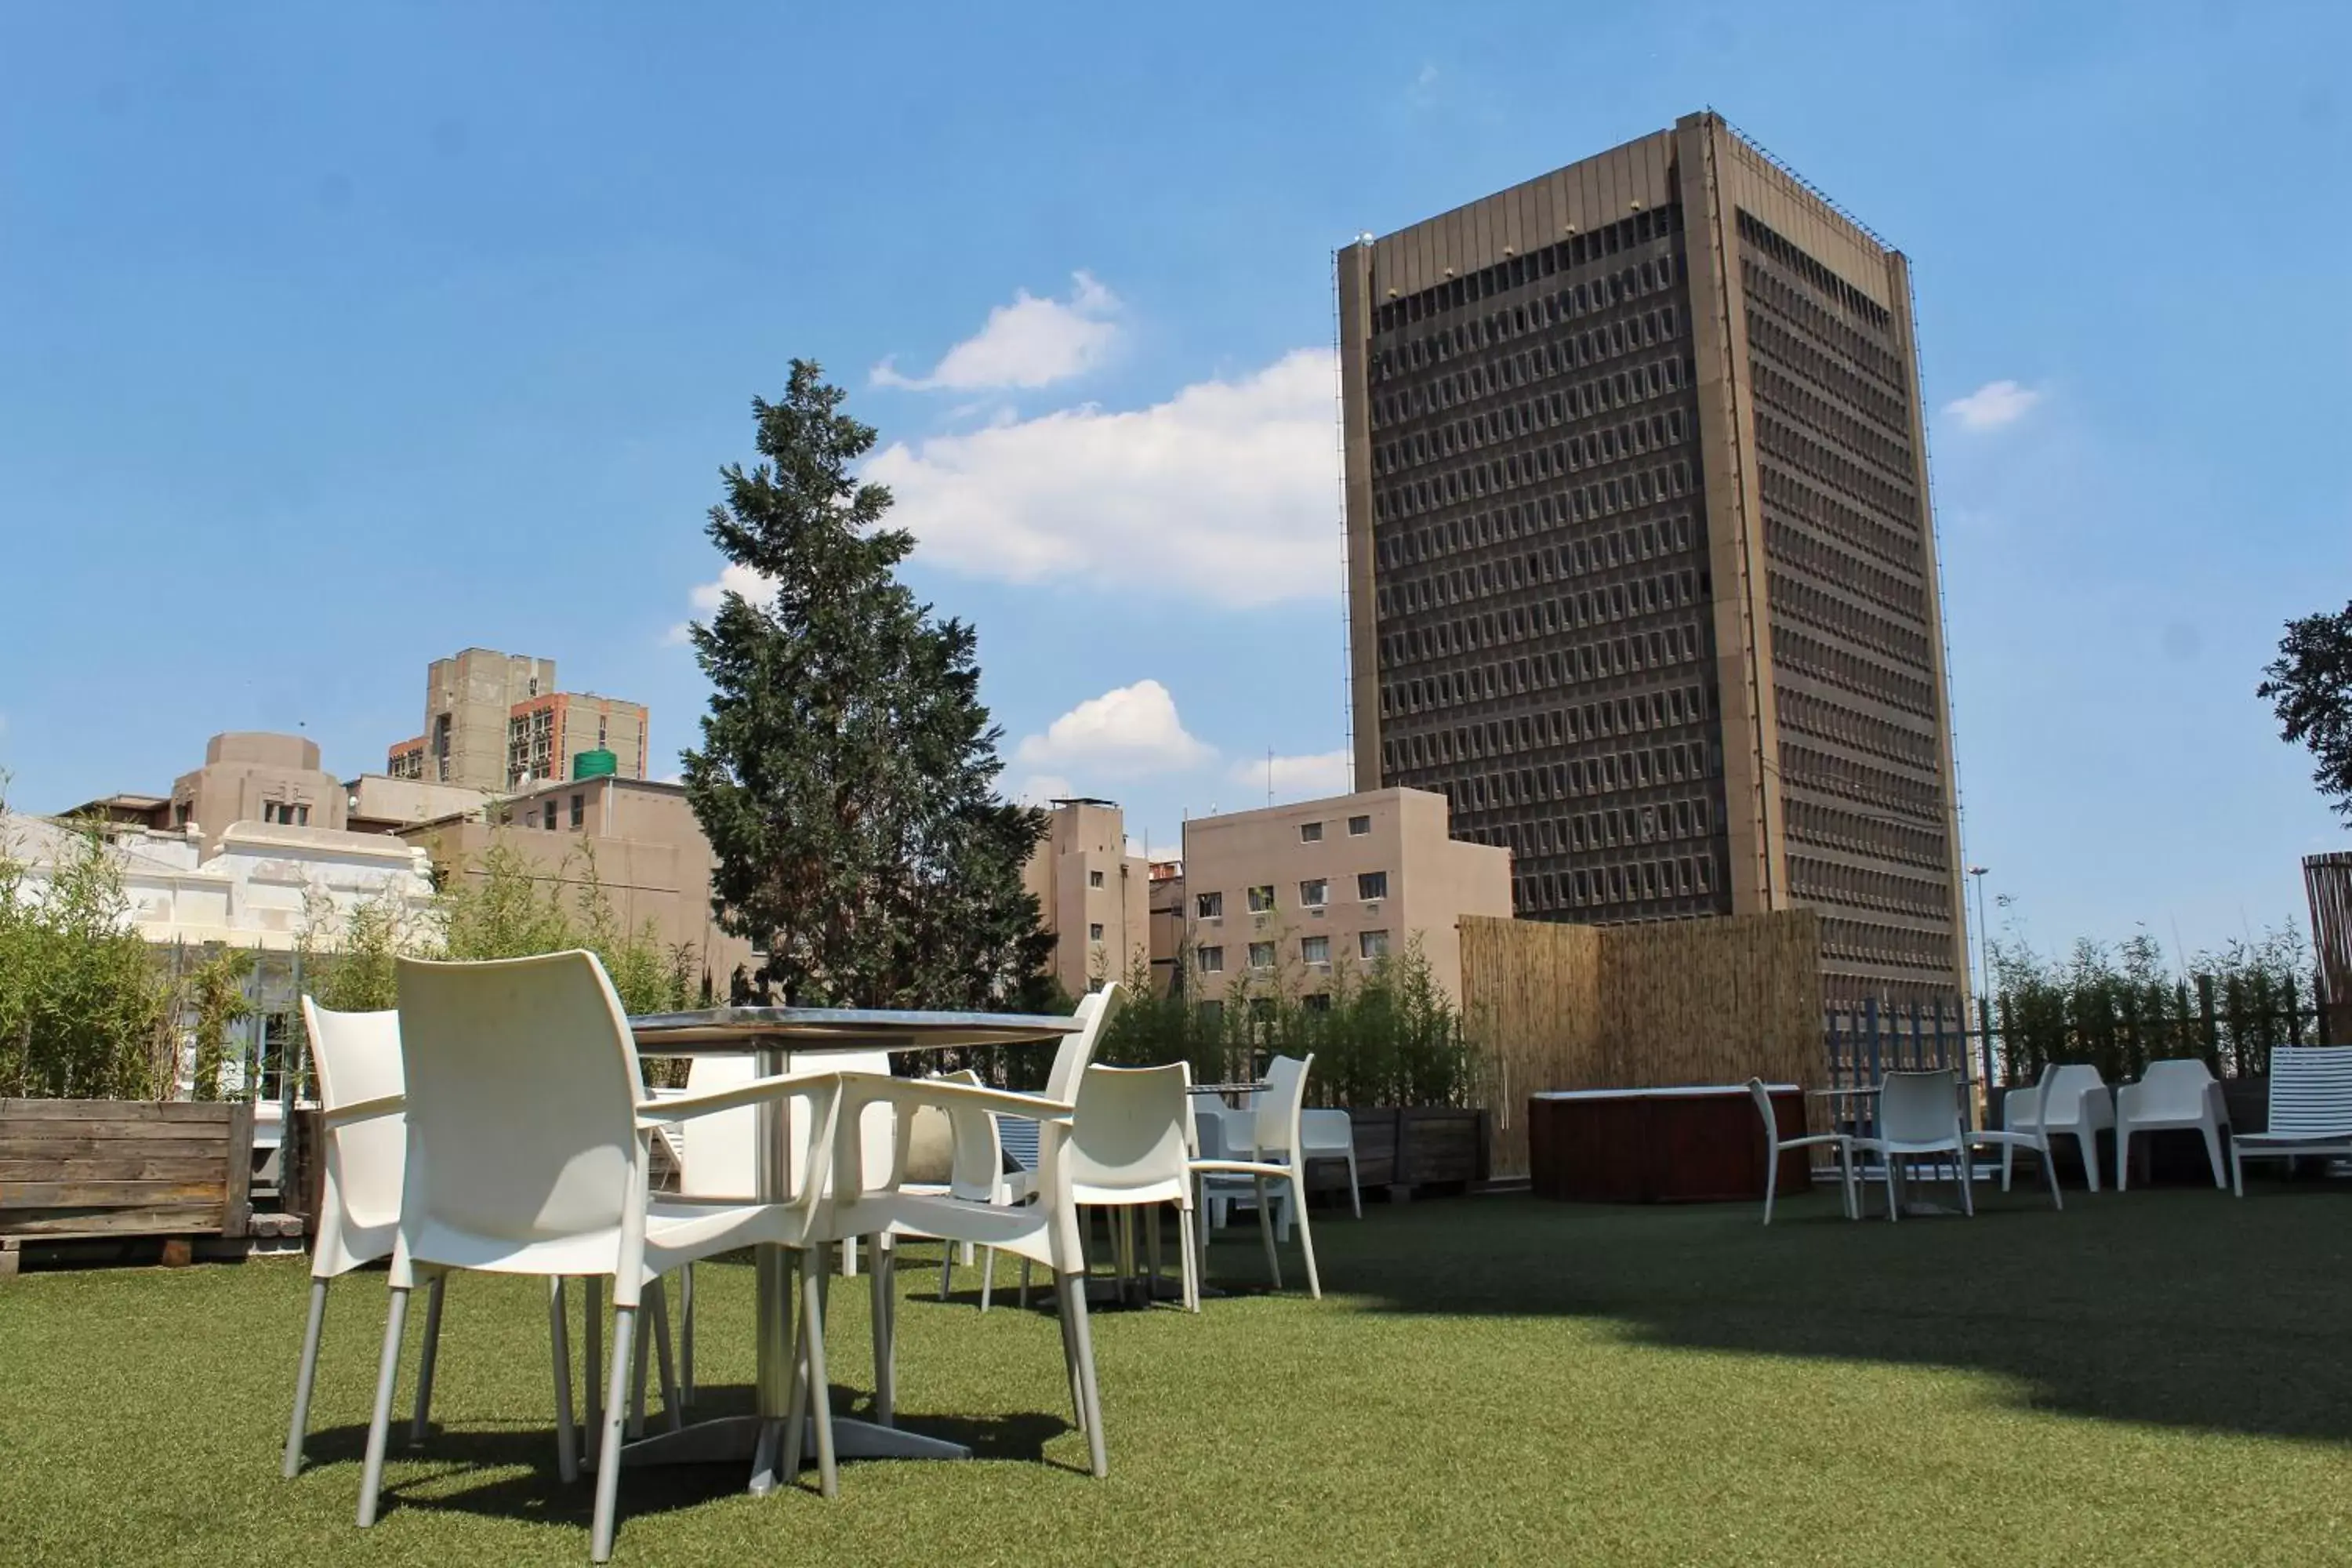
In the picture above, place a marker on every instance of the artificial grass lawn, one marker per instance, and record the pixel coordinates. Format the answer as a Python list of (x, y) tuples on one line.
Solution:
[(2156, 1376)]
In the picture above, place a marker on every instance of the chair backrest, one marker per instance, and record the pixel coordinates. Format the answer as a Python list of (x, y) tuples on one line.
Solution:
[(976, 1150), (2031, 1106), (2311, 1090), (722, 1150), (1763, 1099), (357, 1056), (1919, 1107), (1277, 1128), (1129, 1131), (1076, 1051), (1327, 1132), (2063, 1089), (2173, 1086), (1209, 1132), (522, 1098)]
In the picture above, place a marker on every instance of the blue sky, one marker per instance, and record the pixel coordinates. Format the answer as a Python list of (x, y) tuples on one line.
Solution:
[(337, 340)]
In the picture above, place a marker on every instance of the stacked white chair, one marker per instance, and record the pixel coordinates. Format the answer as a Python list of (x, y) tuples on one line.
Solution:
[(2071, 1099), (2311, 1110), (529, 1152), (2179, 1092), (1129, 1149)]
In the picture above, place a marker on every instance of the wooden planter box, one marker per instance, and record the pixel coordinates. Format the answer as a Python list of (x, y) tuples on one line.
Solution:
[(110, 1168), (1412, 1148)]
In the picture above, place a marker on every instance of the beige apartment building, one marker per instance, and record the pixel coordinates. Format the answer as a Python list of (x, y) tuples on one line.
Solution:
[(1091, 894), (1292, 895), (649, 853), (255, 776), (496, 721), (1641, 556)]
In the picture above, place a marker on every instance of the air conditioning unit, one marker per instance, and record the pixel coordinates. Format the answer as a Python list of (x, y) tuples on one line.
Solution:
[(1317, 912), (1372, 906)]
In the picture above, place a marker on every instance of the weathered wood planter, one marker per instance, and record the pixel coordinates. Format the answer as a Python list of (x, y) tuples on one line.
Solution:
[(112, 1169), (1413, 1148)]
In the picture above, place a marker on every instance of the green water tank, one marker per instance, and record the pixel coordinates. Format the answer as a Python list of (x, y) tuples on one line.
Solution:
[(599, 763)]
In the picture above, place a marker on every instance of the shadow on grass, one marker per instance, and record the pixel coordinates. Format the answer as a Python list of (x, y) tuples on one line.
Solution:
[(2175, 1306)]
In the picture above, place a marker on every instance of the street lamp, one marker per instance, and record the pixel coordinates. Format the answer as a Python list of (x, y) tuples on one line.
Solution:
[(1984, 956)]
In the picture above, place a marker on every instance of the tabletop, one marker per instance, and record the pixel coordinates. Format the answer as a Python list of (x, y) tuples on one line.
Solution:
[(714, 1031), (1669, 1092)]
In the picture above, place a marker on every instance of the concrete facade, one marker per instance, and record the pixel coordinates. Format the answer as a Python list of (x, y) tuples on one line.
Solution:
[(378, 803), (1360, 874), (649, 853), (1091, 894), (255, 777), (1642, 564), (498, 721), (544, 735)]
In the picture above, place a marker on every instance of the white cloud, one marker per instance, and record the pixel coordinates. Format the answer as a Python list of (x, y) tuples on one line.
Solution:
[(1228, 491), (733, 577), (1992, 406), (1296, 778), (1043, 790), (1030, 343), (1123, 733)]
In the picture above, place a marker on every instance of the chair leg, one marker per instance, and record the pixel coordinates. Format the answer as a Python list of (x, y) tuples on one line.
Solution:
[(1090, 1395), (2086, 1143), (1306, 1231), (788, 1468), (946, 1268), (1022, 1301), (396, 1321), (592, 1376), (636, 1426), (1152, 1254), (813, 1288), (2008, 1163), (627, 1353), (849, 1258), (1355, 1191), (426, 1358), (1191, 1270), (2213, 1151), (1771, 1177), (1265, 1233), (1068, 1325), (2237, 1170), (304, 1375), (1894, 1201), (2050, 1170), (878, 1296), (658, 1303), (1964, 1175), (558, 1334), (685, 1335), (2123, 1158), (987, 1275)]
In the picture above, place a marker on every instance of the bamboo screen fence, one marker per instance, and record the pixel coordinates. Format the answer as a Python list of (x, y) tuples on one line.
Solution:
[(1566, 1006), (2328, 880)]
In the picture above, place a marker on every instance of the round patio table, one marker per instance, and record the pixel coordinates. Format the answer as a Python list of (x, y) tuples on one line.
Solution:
[(799, 1039)]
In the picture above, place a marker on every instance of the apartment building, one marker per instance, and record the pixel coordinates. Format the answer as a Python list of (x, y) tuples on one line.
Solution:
[(1290, 896), (1091, 894), (1642, 565), (649, 854), (498, 720)]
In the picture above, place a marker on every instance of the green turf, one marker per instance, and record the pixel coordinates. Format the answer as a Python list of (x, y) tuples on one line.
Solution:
[(2151, 1377)]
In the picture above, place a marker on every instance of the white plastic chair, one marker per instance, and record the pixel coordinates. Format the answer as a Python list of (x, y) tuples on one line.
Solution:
[(976, 1174), (1043, 1229), (357, 1056), (2027, 1124), (530, 1148), (1919, 1114), (2072, 1099), (1774, 1144), (2311, 1110), (2177, 1092), (1128, 1148), (1274, 1158), (1328, 1135)]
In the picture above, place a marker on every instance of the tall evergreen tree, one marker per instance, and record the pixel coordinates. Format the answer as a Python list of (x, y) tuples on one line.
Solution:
[(846, 778), (2309, 687)]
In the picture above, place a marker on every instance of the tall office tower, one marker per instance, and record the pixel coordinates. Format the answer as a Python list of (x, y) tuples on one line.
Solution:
[(496, 721), (1641, 571)]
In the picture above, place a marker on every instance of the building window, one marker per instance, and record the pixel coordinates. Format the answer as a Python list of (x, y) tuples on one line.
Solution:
[(1094, 878), (1310, 833), (1358, 826), (1093, 932), (1317, 1002), (1314, 950), (1372, 885), (1261, 955), (1261, 900), (1210, 906), (1212, 959), (1314, 893), (547, 816), (1371, 944), (579, 810)]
